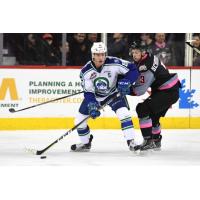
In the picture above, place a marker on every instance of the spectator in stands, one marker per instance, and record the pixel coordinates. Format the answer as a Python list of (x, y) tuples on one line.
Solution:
[(32, 50), (196, 43), (177, 41), (118, 46), (64, 49), (162, 49), (50, 52), (91, 38), (78, 49), (147, 41)]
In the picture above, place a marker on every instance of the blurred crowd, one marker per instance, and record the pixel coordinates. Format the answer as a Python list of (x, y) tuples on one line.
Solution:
[(48, 49)]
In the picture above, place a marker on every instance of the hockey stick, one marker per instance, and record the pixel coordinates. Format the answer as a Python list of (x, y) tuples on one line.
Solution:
[(193, 47), (12, 110), (39, 152)]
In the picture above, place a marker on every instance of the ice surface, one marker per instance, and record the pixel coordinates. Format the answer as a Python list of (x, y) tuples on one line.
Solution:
[(179, 147)]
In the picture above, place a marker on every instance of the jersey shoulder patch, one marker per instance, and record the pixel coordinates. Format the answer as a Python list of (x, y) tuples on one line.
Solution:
[(147, 64), (112, 60), (115, 60), (142, 68)]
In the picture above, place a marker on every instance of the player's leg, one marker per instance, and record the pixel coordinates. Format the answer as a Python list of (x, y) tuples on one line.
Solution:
[(166, 99), (119, 106), (83, 131), (145, 121), (150, 111), (156, 129)]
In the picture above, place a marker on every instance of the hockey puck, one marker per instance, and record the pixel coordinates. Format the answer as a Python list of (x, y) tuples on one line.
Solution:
[(12, 110), (43, 157)]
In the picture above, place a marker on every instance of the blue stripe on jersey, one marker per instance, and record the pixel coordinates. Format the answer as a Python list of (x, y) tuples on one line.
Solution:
[(113, 60), (87, 67), (117, 65)]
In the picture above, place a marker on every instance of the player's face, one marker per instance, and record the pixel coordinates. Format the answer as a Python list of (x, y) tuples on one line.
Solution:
[(99, 59), (137, 55)]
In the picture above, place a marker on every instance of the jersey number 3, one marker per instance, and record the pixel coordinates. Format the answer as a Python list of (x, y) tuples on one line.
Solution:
[(142, 79)]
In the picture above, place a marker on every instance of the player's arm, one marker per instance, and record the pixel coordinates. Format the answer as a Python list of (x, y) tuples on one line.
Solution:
[(89, 96), (130, 72), (143, 82), (88, 87)]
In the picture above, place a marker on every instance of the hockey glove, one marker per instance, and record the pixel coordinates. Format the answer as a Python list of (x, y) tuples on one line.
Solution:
[(93, 109), (124, 86)]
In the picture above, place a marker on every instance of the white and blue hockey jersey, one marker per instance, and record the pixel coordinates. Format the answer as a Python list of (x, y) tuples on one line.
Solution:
[(100, 83)]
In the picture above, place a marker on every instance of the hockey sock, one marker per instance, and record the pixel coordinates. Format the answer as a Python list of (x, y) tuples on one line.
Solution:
[(84, 134), (146, 127), (156, 131), (126, 123), (127, 128)]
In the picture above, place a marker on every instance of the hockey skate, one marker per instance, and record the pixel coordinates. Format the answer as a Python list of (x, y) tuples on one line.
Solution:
[(82, 147), (157, 143), (148, 144), (133, 146)]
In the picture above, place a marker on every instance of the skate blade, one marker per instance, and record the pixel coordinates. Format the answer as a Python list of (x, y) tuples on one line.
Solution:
[(135, 152), (157, 149), (146, 152), (81, 151)]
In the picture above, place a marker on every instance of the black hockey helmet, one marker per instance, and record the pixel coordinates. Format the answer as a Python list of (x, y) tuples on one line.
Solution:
[(136, 45)]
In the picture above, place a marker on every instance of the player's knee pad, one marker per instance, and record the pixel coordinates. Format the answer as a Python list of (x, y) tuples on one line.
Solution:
[(142, 110), (122, 113), (79, 118)]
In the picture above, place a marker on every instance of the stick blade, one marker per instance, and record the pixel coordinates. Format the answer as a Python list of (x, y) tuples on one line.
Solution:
[(39, 152), (34, 151), (31, 151)]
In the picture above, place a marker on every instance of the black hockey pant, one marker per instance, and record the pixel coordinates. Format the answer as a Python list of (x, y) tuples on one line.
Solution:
[(154, 107)]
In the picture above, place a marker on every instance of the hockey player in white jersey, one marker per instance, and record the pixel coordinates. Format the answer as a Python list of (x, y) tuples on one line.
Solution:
[(100, 83)]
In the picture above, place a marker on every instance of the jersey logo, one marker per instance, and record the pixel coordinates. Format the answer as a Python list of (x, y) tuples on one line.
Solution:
[(109, 73), (142, 68), (101, 85), (93, 75)]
